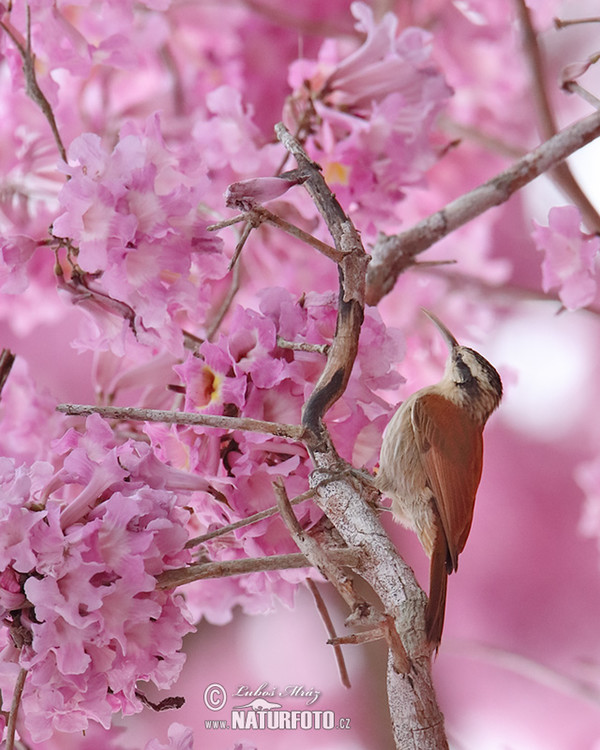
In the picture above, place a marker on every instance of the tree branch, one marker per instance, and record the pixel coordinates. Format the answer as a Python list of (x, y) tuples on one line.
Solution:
[(391, 255), (317, 553), (14, 709), (254, 518), (225, 304), (352, 269), (561, 172), (530, 669), (560, 23), (327, 621), (262, 214), (170, 579), (416, 718), (33, 89), (130, 413)]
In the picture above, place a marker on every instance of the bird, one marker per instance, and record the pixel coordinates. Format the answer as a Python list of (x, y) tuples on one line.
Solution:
[(431, 462)]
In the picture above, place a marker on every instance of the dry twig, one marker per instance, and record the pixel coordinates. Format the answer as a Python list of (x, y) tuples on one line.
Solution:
[(129, 413), (327, 621), (171, 579), (254, 518), (32, 87), (317, 553), (14, 709)]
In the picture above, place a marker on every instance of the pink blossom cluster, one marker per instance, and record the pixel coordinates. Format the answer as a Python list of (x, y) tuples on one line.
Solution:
[(570, 257), (131, 214), (376, 110), (82, 542)]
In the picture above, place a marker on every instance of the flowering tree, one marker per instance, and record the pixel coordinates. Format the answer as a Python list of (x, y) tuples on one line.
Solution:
[(218, 225)]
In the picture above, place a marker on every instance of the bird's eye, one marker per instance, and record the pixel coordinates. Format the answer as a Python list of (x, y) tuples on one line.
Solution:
[(464, 375)]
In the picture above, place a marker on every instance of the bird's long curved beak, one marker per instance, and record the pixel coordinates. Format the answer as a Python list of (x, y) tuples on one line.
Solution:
[(448, 337)]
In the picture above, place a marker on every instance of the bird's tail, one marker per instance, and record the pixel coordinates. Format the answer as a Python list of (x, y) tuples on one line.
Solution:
[(438, 583)]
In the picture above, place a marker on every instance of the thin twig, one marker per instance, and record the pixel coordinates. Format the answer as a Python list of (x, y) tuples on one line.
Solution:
[(166, 704), (499, 292), (385, 630), (32, 87), (260, 516), (302, 346), (80, 286), (226, 303), (397, 650), (371, 635), (246, 229), (316, 551), (170, 579), (191, 341), (14, 709), (560, 23), (393, 254), (262, 214), (548, 127), (575, 88), (130, 413), (489, 142), (269, 217), (226, 222), (327, 621)]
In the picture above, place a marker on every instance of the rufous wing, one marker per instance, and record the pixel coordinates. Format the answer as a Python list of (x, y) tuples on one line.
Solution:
[(451, 450)]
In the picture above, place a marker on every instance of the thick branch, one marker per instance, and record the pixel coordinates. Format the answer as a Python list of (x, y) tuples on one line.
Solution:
[(416, 719), (129, 413), (393, 254), (352, 270)]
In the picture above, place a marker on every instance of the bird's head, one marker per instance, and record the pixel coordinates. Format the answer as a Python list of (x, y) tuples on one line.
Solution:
[(469, 379)]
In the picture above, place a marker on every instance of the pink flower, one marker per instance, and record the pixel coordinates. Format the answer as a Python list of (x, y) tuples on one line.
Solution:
[(131, 213), (575, 70), (376, 108), (247, 194), (79, 581), (383, 65), (15, 253), (569, 257), (249, 373)]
